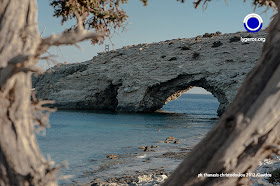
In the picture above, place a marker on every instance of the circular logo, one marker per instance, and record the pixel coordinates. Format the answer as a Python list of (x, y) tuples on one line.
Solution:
[(253, 22)]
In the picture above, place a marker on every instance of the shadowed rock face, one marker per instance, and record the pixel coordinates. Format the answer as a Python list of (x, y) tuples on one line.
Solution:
[(144, 77)]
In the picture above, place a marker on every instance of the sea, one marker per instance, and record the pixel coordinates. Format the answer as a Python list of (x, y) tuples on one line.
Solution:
[(83, 139)]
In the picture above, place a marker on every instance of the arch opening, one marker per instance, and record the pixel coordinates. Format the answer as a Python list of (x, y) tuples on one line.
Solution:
[(195, 100), (158, 95)]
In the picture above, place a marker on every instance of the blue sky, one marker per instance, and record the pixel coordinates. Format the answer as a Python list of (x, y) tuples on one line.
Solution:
[(160, 20)]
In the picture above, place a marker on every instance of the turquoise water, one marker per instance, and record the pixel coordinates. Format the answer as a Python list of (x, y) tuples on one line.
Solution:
[(84, 138)]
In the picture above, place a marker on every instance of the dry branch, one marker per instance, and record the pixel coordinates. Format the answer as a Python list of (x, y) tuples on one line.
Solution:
[(15, 65), (69, 37)]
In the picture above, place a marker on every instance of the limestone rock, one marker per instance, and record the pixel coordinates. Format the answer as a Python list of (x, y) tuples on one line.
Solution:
[(176, 142), (144, 178), (147, 148), (160, 178), (153, 146), (112, 156), (170, 138), (142, 147), (134, 80)]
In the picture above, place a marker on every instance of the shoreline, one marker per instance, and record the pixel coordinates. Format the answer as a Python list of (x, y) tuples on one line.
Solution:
[(143, 167), (149, 176), (152, 177), (140, 167), (153, 168)]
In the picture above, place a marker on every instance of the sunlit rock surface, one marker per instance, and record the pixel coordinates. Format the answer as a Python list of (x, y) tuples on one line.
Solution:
[(142, 78)]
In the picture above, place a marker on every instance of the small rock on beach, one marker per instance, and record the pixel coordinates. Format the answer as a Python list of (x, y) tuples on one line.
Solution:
[(170, 138), (147, 148), (112, 156)]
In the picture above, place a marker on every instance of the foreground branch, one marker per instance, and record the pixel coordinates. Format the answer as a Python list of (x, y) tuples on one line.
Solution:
[(15, 65), (68, 38)]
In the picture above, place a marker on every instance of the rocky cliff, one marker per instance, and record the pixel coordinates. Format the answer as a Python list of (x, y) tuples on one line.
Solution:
[(142, 78)]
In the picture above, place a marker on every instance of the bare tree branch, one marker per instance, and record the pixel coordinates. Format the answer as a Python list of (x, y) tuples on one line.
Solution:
[(15, 65), (69, 37), (18, 59)]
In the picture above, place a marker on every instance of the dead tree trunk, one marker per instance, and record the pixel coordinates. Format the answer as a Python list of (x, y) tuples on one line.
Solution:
[(21, 162), (247, 132)]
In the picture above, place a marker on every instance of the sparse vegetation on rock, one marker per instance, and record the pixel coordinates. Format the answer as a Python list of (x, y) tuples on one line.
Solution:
[(250, 36), (197, 38), (235, 38), (173, 59), (229, 60), (186, 47), (218, 33), (217, 44), (209, 35), (196, 55)]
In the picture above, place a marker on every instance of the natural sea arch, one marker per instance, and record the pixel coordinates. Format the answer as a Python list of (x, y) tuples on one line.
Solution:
[(142, 78), (163, 93)]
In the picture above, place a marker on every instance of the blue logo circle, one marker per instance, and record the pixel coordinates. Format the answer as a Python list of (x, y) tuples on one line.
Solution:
[(253, 22)]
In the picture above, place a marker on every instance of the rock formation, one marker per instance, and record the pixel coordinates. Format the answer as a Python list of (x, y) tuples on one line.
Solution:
[(144, 77)]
